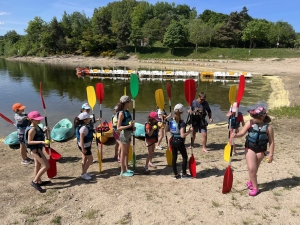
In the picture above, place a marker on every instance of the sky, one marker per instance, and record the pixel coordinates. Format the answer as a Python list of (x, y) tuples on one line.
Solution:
[(15, 14)]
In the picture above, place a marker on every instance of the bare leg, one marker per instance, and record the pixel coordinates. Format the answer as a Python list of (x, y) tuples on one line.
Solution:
[(23, 151), (40, 162), (204, 140), (253, 161), (123, 158), (88, 160), (193, 138)]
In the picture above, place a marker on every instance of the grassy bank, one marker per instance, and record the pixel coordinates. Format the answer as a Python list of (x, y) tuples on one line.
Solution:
[(216, 53), (286, 112)]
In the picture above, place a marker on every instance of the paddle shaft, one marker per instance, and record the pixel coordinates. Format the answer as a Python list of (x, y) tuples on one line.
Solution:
[(6, 119)]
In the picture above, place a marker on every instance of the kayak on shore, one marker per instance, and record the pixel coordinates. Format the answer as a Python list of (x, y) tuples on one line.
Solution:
[(63, 130), (12, 138)]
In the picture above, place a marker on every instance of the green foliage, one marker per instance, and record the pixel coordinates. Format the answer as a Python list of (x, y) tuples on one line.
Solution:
[(122, 55), (285, 112), (175, 36), (126, 23)]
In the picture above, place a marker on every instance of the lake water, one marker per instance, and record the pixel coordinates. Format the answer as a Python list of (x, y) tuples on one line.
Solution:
[(64, 93)]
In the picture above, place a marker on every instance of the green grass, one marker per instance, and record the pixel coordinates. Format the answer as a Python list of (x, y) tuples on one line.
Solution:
[(285, 112), (91, 214), (215, 53), (56, 220)]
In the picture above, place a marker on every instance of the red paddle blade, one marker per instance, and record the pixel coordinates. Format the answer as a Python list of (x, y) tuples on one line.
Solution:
[(241, 89), (5, 118), (228, 180), (189, 90), (100, 92), (192, 166), (169, 90), (54, 154), (41, 94)]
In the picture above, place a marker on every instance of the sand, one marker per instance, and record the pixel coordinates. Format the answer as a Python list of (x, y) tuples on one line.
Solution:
[(155, 197)]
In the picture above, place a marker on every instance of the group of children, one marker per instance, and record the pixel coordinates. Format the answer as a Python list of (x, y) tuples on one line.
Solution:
[(30, 135)]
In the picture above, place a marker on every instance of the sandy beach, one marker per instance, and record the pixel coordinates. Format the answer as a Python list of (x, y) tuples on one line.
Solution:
[(155, 197)]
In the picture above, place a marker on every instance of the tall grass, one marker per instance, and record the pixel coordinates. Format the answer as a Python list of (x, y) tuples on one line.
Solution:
[(286, 112)]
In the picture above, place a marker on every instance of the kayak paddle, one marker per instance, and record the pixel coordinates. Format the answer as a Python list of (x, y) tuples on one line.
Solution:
[(91, 96), (5, 118), (52, 171), (169, 155), (189, 93), (100, 97), (134, 90), (227, 149), (228, 176)]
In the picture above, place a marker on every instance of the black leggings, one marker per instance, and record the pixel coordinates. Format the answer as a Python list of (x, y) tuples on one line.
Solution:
[(178, 145)]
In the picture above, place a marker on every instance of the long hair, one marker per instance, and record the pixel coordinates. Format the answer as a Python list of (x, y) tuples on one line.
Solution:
[(120, 106), (77, 122), (150, 120), (266, 119), (177, 116)]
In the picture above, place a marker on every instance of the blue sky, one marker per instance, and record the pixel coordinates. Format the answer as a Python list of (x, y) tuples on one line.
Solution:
[(15, 14)]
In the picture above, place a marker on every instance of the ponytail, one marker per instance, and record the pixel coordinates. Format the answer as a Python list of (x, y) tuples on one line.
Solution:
[(177, 116)]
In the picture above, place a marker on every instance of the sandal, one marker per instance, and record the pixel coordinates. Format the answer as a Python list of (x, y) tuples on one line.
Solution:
[(253, 192), (249, 185)]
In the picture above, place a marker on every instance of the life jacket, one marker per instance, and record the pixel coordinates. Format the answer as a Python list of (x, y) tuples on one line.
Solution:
[(89, 137), (104, 127), (39, 136), (127, 118), (174, 128), (257, 139), (25, 123), (234, 121), (154, 133)]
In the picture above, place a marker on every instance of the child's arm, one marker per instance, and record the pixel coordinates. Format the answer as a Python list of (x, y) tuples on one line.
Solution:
[(183, 134), (243, 131), (119, 124), (31, 134), (271, 143)]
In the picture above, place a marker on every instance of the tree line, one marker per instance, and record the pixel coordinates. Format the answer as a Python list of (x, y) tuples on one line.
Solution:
[(130, 23)]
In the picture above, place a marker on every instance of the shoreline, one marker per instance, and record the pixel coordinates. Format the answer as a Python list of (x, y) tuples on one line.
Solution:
[(277, 98)]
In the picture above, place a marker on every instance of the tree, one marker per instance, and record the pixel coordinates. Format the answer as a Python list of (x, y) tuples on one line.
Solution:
[(197, 32), (140, 14), (256, 30), (281, 33), (175, 36)]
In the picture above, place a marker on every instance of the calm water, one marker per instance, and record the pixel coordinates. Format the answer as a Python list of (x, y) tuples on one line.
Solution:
[(64, 93)]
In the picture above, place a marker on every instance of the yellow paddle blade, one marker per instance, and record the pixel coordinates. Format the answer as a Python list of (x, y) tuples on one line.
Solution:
[(169, 157), (232, 94), (91, 96), (227, 150), (159, 98), (124, 90), (130, 153)]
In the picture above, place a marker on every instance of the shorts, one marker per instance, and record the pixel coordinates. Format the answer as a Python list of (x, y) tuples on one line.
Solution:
[(125, 136), (21, 133), (199, 129), (88, 150)]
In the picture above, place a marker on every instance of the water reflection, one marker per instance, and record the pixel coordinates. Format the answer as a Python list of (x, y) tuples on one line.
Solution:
[(64, 92)]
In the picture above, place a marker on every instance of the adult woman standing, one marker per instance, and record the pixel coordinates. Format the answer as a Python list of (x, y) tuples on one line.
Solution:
[(177, 128)]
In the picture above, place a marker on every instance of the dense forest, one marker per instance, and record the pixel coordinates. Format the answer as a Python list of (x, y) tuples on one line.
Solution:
[(128, 25)]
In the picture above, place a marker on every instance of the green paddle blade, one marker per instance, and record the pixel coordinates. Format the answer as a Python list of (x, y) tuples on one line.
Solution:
[(134, 85), (232, 94), (159, 98)]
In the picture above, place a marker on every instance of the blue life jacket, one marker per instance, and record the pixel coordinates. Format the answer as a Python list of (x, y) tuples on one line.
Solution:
[(154, 133), (174, 128), (39, 136), (127, 118), (89, 137), (257, 139), (234, 122)]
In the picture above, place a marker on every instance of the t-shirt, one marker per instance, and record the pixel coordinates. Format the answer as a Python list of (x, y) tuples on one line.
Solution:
[(84, 130)]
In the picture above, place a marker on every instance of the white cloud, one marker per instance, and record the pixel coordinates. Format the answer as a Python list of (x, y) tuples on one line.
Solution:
[(1, 23), (4, 13)]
